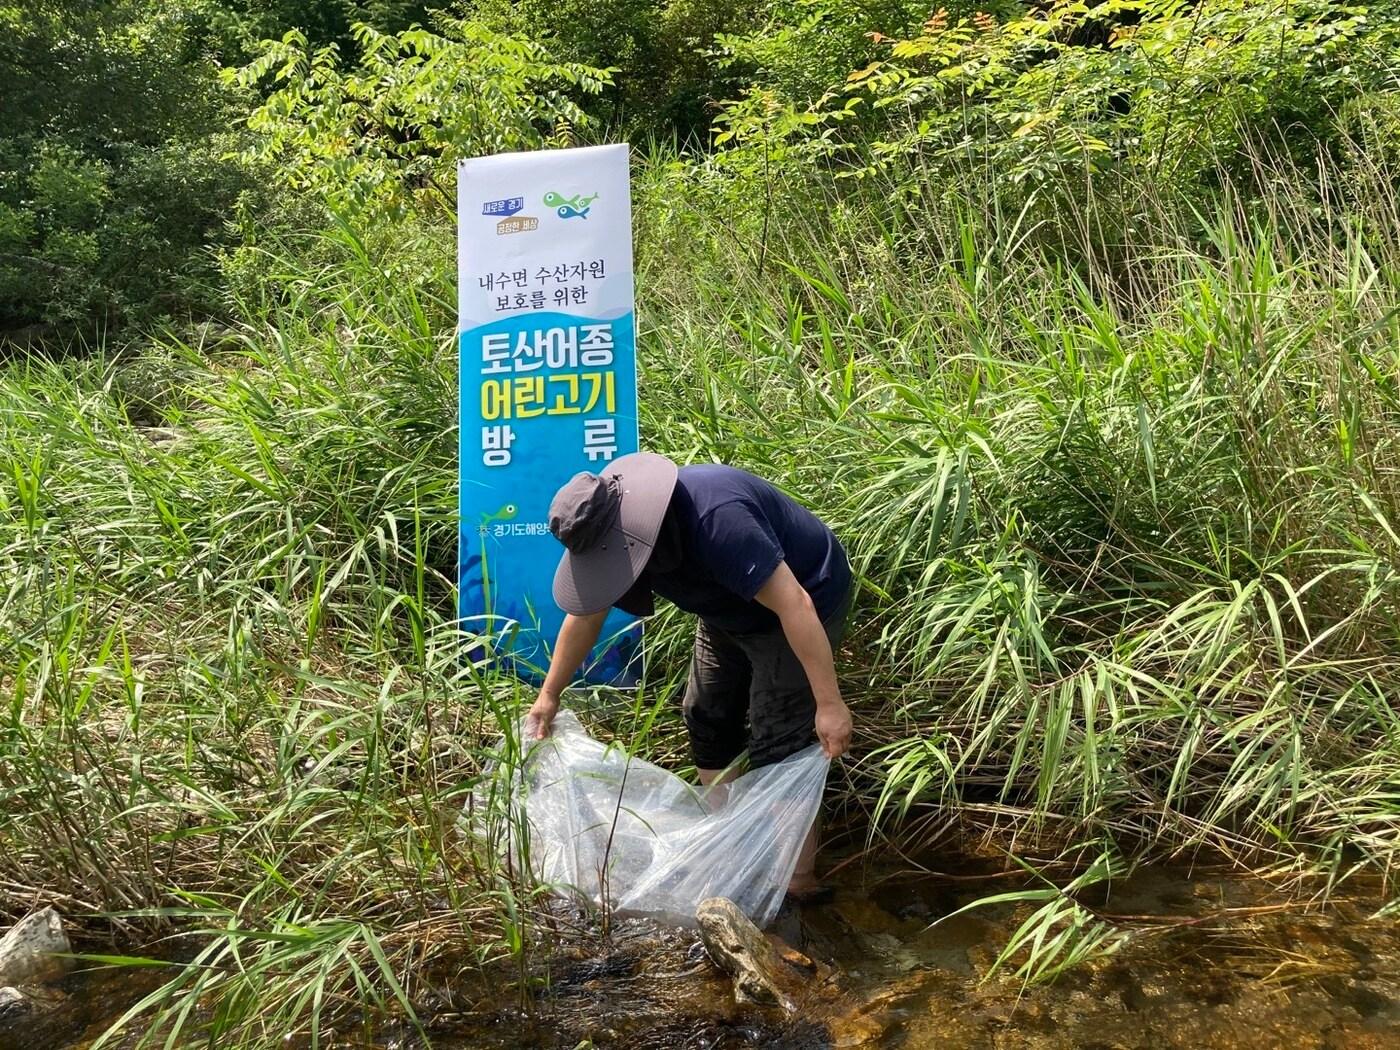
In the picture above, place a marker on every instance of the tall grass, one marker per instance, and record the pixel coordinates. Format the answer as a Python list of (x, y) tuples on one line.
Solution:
[(1128, 531), (1126, 523), (236, 703)]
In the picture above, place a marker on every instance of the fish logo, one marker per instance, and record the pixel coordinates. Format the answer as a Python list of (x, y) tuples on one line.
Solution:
[(575, 207), (506, 513)]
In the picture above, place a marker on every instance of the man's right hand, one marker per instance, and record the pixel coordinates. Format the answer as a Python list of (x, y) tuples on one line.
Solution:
[(540, 717), (576, 637)]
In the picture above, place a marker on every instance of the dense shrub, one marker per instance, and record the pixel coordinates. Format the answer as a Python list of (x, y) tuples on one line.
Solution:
[(113, 170)]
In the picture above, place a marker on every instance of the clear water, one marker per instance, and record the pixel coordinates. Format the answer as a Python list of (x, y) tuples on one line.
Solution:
[(1223, 961)]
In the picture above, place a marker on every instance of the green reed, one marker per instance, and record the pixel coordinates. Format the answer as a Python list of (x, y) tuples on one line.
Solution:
[(1126, 526)]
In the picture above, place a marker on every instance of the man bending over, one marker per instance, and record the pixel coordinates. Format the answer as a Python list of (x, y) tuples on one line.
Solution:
[(768, 580)]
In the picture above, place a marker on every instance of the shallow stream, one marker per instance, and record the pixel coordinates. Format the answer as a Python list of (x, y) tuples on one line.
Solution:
[(1219, 960)]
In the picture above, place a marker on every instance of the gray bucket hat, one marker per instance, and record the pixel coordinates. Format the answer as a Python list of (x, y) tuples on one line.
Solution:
[(608, 524)]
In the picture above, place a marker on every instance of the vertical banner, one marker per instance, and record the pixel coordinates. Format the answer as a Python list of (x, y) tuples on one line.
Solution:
[(546, 339)]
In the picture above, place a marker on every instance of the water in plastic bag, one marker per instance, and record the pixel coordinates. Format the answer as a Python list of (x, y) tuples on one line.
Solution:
[(611, 826)]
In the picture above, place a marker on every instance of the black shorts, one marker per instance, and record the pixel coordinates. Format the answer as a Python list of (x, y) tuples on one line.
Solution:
[(750, 691)]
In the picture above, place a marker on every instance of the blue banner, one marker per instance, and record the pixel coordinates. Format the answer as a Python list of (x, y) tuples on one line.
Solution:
[(547, 353)]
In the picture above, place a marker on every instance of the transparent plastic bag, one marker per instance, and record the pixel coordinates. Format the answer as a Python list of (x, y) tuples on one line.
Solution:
[(609, 826)]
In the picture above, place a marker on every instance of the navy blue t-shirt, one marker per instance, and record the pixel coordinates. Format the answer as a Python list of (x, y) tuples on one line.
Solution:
[(723, 536)]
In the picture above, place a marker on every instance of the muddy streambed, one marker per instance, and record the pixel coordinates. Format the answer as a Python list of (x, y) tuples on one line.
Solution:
[(1219, 961)]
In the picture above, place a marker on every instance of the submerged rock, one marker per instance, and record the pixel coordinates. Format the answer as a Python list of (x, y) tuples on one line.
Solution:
[(865, 1023), (31, 952)]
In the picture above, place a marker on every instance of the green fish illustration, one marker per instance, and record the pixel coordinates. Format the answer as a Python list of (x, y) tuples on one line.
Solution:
[(505, 513), (569, 207)]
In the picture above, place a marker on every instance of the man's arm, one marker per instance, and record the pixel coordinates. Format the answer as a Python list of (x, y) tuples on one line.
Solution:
[(804, 632), (577, 636)]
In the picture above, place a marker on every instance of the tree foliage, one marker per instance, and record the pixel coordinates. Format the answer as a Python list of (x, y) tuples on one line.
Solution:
[(800, 48), (667, 78), (133, 133), (372, 138), (1148, 85)]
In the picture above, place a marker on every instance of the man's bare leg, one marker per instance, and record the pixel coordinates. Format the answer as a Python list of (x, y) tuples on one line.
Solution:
[(804, 876), (716, 777)]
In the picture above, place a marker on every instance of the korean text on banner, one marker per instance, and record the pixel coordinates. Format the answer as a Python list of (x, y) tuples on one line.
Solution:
[(547, 345)]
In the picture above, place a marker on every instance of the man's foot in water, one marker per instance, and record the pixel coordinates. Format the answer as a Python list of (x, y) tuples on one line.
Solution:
[(807, 891)]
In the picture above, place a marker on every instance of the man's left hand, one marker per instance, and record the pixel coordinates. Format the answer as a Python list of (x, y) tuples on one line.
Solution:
[(834, 727)]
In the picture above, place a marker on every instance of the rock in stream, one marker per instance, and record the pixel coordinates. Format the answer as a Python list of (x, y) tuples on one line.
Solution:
[(763, 972), (13, 1004), (33, 950), (739, 948)]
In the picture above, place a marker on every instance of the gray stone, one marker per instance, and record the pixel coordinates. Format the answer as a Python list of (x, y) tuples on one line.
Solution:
[(739, 948), (30, 953), (13, 1003)]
